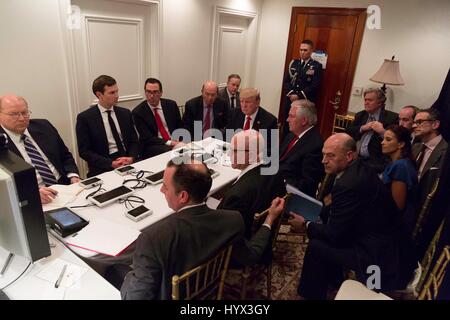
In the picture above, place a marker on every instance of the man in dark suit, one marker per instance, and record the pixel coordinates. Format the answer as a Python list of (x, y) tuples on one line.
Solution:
[(360, 231), (190, 236), (205, 112), (302, 79), (429, 155), (252, 191), (301, 149), (406, 117), (230, 94), (156, 119), (252, 116), (106, 135), (369, 126), (39, 144)]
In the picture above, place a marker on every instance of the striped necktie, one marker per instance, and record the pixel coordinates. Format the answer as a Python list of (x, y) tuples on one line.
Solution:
[(38, 162)]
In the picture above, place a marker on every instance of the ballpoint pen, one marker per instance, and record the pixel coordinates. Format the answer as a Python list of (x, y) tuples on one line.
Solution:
[(58, 282)]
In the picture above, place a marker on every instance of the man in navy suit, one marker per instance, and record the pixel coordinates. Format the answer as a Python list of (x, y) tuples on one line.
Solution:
[(301, 149), (230, 94), (207, 111), (106, 135), (252, 116), (156, 118), (302, 79), (39, 144)]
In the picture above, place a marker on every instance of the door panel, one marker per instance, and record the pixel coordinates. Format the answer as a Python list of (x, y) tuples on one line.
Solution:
[(338, 32)]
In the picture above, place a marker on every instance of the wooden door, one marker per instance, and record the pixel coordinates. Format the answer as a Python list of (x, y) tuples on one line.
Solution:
[(338, 32)]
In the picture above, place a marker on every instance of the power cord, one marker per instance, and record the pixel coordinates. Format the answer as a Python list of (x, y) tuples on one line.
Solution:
[(130, 200), (23, 272)]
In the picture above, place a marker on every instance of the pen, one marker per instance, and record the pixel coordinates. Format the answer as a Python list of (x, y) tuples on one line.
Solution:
[(7, 262), (58, 282)]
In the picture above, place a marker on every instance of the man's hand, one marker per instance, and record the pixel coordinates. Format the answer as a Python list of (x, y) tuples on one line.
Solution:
[(176, 144), (125, 160), (116, 163), (297, 222), (47, 194), (378, 127), (293, 97), (74, 180), (275, 210), (366, 127)]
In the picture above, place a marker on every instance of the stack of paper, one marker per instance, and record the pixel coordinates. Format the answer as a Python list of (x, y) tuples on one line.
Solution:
[(66, 194)]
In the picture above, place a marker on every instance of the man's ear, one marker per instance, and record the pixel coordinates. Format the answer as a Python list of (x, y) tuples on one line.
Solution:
[(436, 124), (184, 197)]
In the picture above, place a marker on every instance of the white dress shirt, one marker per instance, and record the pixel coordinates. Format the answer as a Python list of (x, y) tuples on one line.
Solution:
[(111, 141), (253, 116), (158, 109)]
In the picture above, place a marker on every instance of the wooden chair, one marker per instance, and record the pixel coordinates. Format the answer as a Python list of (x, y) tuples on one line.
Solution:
[(181, 110), (431, 288), (205, 281), (425, 210), (341, 122), (249, 271)]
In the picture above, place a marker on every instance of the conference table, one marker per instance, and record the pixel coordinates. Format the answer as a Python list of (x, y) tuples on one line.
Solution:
[(109, 224)]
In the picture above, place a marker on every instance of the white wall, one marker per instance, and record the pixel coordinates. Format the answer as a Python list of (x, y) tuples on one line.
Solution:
[(416, 31)]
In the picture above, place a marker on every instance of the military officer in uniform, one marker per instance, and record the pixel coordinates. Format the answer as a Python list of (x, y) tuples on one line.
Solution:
[(302, 80)]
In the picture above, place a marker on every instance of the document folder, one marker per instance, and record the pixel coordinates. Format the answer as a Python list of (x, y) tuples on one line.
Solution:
[(302, 204)]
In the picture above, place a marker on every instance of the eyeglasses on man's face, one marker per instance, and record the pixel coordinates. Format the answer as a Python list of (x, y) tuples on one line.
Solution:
[(152, 92), (16, 115), (421, 121)]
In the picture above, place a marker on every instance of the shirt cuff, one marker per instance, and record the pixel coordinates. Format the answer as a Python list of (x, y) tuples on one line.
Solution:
[(267, 225), (169, 143), (307, 224), (71, 175)]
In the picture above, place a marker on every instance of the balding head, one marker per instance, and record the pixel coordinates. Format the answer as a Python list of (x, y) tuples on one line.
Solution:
[(14, 114), (247, 147), (209, 92), (339, 150)]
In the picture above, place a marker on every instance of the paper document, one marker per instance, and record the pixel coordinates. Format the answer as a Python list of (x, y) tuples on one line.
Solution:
[(103, 236), (302, 204), (71, 275), (66, 194)]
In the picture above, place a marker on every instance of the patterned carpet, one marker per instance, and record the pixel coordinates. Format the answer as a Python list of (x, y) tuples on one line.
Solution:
[(286, 268)]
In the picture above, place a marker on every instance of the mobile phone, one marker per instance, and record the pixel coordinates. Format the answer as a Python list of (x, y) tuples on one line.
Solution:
[(91, 182), (213, 172), (111, 196), (138, 213), (125, 170), (155, 178)]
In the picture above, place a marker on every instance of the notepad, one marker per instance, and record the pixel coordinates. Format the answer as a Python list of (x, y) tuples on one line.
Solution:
[(51, 272), (66, 194), (105, 237), (302, 204)]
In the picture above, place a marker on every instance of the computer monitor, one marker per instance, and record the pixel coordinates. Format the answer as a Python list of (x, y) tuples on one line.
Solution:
[(22, 224)]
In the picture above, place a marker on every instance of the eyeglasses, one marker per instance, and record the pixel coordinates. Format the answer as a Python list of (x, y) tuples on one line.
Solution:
[(419, 122), (16, 115), (154, 92)]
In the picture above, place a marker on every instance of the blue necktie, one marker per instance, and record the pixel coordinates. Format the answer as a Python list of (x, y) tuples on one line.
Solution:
[(38, 162)]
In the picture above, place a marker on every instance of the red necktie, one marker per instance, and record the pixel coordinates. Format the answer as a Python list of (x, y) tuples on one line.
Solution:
[(290, 146), (207, 121), (164, 134), (247, 123)]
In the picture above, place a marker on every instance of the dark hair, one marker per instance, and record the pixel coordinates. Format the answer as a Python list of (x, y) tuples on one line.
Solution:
[(233, 75), (402, 135), (100, 83), (308, 42), (433, 114), (196, 183), (154, 80)]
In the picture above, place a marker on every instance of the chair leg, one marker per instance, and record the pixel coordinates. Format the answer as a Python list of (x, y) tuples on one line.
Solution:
[(269, 281), (245, 276)]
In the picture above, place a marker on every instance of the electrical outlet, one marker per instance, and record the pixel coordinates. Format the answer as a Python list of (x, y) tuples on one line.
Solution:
[(357, 91)]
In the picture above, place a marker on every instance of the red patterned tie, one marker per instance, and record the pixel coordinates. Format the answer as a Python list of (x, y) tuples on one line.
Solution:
[(247, 123), (164, 134), (290, 146), (207, 120)]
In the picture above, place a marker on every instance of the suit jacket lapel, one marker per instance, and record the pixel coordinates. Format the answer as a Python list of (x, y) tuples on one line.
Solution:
[(42, 140), (98, 121), (123, 126), (433, 160), (11, 146)]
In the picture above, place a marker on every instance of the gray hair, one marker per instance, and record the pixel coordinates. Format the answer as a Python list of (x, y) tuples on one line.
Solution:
[(381, 97), (306, 108)]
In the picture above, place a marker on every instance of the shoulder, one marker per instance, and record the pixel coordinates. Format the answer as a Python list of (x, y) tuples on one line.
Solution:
[(89, 112), (121, 110), (390, 115), (41, 124), (194, 101), (266, 113), (168, 103), (140, 107)]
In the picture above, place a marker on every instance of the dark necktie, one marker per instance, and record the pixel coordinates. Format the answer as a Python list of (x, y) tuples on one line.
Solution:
[(290, 146), (207, 121), (164, 134), (115, 134), (420, 156), (233, 105), (38, 162), (247, 123)]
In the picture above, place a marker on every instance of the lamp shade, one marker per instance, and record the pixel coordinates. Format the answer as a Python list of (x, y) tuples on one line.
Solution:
[(389, 73)]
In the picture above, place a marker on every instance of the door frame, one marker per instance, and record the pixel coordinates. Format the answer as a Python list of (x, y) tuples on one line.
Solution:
[(361, 14)]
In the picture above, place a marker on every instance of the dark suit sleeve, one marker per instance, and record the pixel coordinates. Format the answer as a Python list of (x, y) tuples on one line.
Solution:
[(354, 129), (346, 203), (86, 149), (188, 118), (133, 141), (65, 155), (144, 281), (249, 252)]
